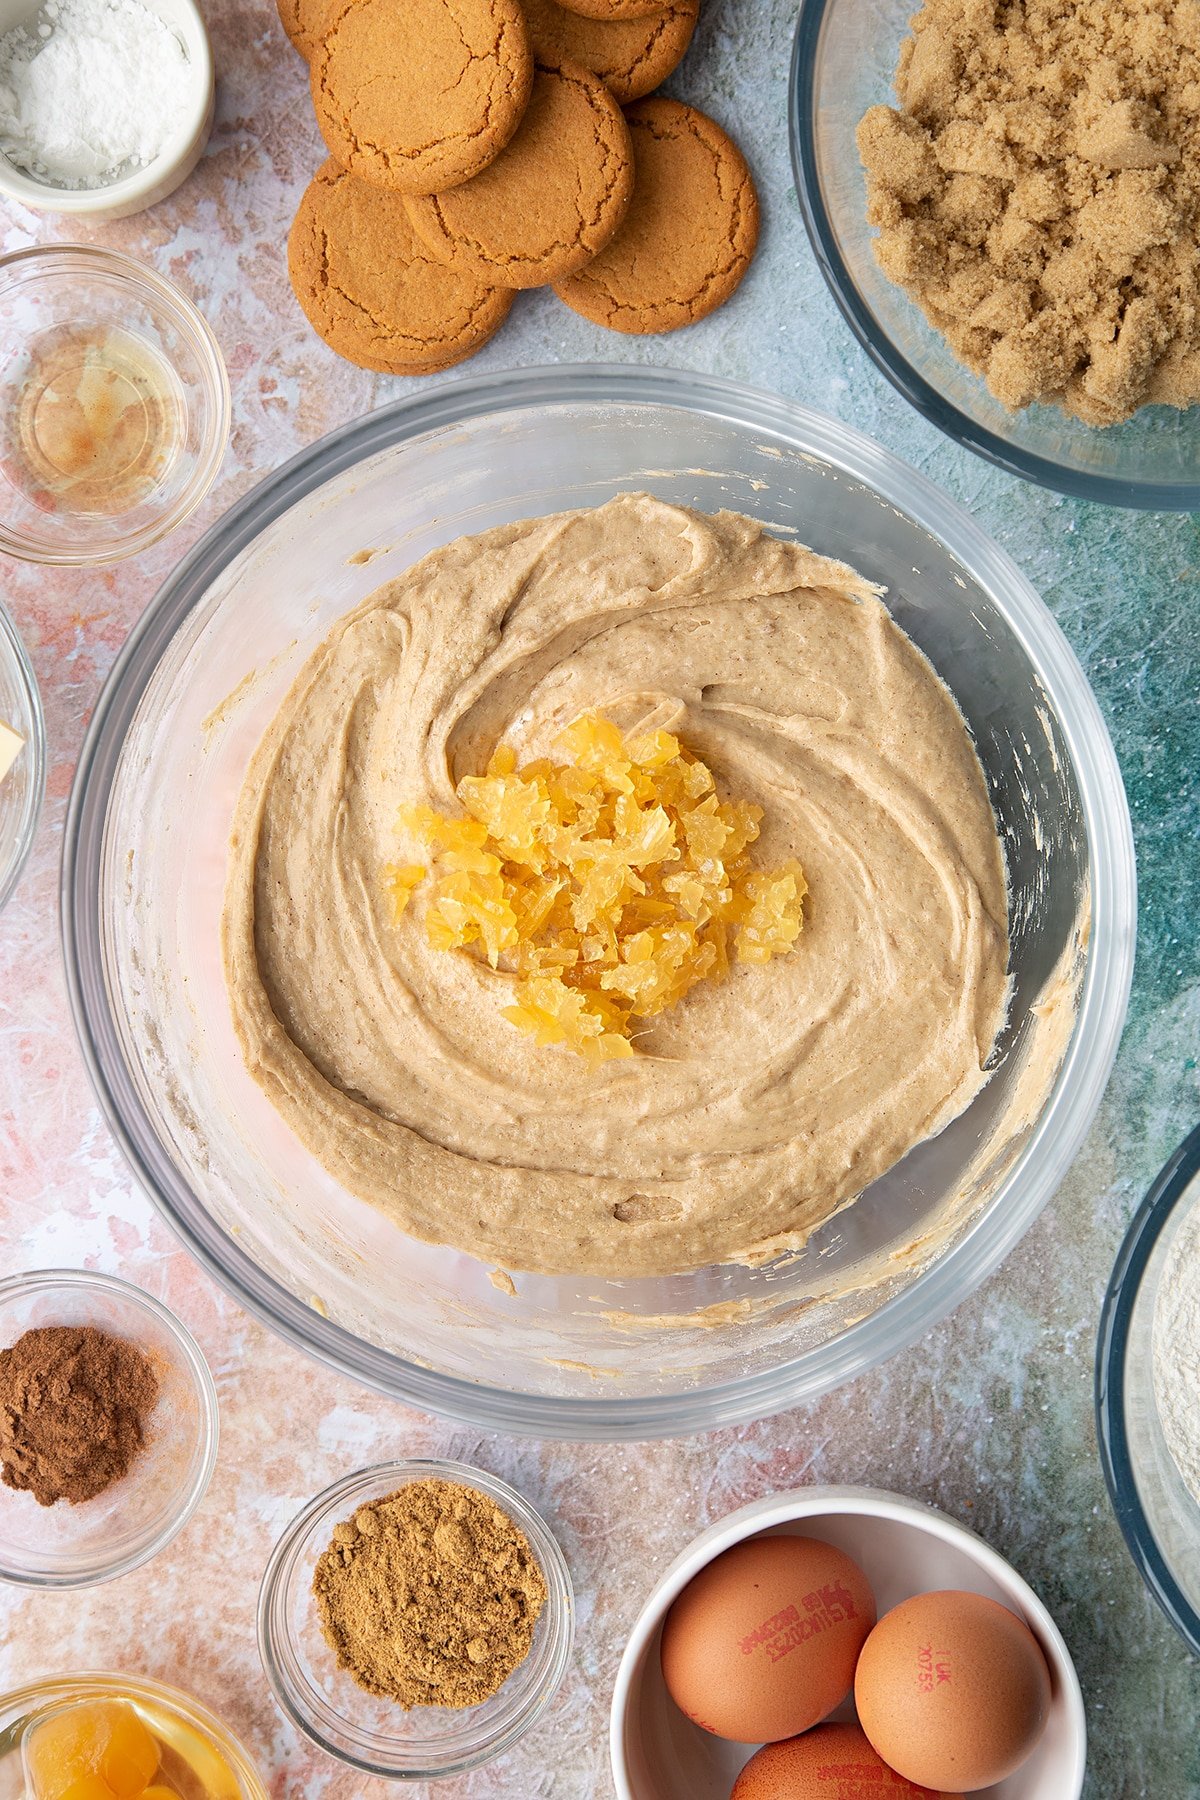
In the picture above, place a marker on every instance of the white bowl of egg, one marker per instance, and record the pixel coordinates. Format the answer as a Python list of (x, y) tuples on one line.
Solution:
[(842, 1640)]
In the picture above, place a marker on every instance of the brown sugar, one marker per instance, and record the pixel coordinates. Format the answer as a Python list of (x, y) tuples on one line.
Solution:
[(429, 1597), (1038, 195), (73, 1404)]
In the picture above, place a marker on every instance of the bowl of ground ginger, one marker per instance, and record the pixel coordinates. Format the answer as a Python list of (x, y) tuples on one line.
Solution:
[(1005, 201), (416, 1619)]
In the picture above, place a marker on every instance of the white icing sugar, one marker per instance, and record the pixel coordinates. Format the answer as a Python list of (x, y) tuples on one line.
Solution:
[(89, 91)]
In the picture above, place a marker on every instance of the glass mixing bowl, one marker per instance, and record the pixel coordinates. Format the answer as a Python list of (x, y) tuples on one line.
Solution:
[(843, 62), (144, 868), (1158, 1514)]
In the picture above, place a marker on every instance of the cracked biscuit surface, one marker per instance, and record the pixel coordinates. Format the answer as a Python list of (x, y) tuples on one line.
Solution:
[(614, 9), (420, 94), (688, 236), (304, 22), (371, 289), (631, 56), (552, 200)]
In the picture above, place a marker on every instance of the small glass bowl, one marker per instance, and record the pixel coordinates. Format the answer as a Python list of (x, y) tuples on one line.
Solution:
[(61, 307), (377, 1736), (22, 788), (1158, 1515), (172, 1714), (75, 1546)]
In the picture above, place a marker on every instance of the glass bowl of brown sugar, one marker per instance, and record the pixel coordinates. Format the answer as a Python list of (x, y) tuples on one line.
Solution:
[(108, 1428), (475, 1607), (843, 63)]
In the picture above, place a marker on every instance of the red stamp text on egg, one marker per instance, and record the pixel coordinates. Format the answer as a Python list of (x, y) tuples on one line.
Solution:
[(932, 1669), (786, 1630)]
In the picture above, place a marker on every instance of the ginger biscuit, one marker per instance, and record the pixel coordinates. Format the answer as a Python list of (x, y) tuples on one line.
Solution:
[(420, 94), (688, 236), (631, 56), (304, 22), (614, 9), (551, 200), (372, 290)]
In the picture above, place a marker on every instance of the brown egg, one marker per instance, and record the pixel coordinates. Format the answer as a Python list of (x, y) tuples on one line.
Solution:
[(763, 1641), (833, 1762), (952, 1690)]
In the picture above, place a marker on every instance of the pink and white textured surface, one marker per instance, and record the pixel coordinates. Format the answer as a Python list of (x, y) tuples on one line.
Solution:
[(990, 1416)]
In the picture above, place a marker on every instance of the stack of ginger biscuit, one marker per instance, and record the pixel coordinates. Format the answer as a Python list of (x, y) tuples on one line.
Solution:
[(478, 147)]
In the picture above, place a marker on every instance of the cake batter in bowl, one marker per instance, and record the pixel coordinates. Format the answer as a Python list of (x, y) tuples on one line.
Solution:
[(604, 1354)]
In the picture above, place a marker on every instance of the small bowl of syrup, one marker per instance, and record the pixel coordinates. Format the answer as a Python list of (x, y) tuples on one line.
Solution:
[(114, 406)]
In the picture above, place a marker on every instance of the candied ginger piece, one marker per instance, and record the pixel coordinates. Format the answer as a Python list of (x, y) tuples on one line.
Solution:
[(502, 761), (515, 812), (654, 749), (473, 908), (442, 833), (557, 1014), (606, 886), (771, 913), (695, 778), (401, 879), (98, 1747)]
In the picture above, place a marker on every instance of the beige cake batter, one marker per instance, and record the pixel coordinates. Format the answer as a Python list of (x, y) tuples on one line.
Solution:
[(756, 1106)]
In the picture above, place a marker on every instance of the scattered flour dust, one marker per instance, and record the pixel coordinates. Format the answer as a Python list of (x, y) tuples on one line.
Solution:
[(90, 90), (1177, 1349)]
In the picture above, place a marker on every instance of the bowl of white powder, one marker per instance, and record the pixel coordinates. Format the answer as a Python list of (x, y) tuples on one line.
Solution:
[(105, 105), (1148, 1389)]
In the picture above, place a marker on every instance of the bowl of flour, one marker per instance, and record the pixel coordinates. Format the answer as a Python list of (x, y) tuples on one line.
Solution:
[(1148, 1389), (105, 105)]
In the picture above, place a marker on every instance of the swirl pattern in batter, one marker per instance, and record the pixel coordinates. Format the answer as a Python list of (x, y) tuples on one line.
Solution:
[(757, 1106)]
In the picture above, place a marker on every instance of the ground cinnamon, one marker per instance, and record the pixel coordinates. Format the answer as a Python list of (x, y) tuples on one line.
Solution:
[(429, 1597), (73, 1405)]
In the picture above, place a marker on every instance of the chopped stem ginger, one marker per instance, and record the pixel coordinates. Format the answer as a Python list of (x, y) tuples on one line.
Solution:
[(606, 885)]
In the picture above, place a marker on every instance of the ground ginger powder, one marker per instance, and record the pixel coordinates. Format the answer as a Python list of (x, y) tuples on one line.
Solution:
[(429, 1597), (1038, 194)]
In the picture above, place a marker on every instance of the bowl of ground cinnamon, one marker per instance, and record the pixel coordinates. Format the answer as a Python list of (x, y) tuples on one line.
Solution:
[(416, 1619), (108, 1428)]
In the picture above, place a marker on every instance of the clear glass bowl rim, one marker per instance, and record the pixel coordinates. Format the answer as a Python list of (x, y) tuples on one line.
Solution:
[(1139, 1244), (55, 259), (27, 1283), (84, 1681), (1053, 1141), (332, 1503), (1111, 490), (35, 749)]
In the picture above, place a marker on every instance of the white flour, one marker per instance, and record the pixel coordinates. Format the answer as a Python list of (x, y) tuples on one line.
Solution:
[(89, 90), (1177, 1351)]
